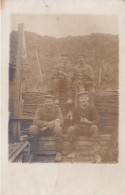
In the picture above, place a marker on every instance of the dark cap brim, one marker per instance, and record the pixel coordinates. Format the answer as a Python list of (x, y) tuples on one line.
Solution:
[(82, 93), (48, 96), (64, 54)]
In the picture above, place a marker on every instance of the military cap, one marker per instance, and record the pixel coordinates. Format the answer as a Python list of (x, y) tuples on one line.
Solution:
[(64, 54), (48, 96), (82, 93), (83, 54)]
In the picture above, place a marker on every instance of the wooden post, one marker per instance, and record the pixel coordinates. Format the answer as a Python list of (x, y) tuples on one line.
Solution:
[(16, 125)]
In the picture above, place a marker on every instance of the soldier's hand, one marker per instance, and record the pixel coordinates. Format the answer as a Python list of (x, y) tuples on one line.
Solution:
[(86, 73), (51, 124), (85, 121), (61, 72)]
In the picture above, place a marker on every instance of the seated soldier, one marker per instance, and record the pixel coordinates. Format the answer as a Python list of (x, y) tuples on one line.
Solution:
[(48, 121), (85, 78), (85, 121), (62, 76)]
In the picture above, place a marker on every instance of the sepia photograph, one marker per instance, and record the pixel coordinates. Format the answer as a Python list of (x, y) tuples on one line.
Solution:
[(63, 88)]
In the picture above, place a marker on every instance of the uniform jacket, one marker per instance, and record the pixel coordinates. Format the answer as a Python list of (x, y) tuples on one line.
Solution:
[(68, 69), (90, 113), (84, 72), (44, 115)]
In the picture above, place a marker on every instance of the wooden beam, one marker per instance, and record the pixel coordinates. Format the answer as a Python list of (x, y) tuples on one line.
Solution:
[(16, 128)]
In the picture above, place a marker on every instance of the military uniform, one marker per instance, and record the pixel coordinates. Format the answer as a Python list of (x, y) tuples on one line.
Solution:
[(80, 128), (62, 77), (43, 116), (41, 125), (84, 78)]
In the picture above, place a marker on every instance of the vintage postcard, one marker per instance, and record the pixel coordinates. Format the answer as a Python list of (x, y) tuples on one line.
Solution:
[(64, 92), (63, 88)]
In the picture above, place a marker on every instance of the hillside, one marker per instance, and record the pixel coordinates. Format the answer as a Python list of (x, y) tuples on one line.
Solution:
[(102, 50)]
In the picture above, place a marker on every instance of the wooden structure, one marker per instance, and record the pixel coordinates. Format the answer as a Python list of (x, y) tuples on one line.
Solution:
[(87, 149), (20, 152), (16, 90)]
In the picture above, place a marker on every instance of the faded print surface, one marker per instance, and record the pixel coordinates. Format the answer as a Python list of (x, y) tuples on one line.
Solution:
[(33, 54)]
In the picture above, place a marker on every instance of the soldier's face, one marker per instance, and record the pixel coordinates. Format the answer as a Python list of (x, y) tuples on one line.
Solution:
[(64, 59), (81, 61), (83, 100), (49, 102)]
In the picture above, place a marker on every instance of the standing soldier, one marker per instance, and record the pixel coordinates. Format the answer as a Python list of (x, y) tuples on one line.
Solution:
[(85, 78), (85, 121), (62, 76), (48, 121)]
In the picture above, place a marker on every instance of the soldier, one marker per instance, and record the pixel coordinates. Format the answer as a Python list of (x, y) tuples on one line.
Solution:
[(48, 121), (85, 78), (62, 76), (85, 121)]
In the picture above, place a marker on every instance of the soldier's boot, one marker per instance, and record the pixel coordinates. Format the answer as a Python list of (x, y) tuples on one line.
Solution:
[(58, 144), (33, 131), (72, 141), (71, 155), (74, 148), (58, 157)]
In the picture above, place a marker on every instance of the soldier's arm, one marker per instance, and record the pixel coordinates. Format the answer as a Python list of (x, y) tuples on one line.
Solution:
[(54, 72), (91, 73), (74, 73), (37, 118), (59, 114), (70, 72)]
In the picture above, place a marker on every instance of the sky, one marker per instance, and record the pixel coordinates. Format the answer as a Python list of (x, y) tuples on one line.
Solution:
[(66, 25)]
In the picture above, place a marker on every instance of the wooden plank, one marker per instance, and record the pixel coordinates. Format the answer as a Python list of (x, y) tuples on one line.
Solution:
[(64, 152), (18, 79), (21, 118), (28, 158), (19, 158), (45, 152), (80, 138), (81, 143), (18, 71), (66, 146), (13, 148), (14, 156), (82, 158), (48, 152), (105, 137), (21, 105), (14, 132)]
